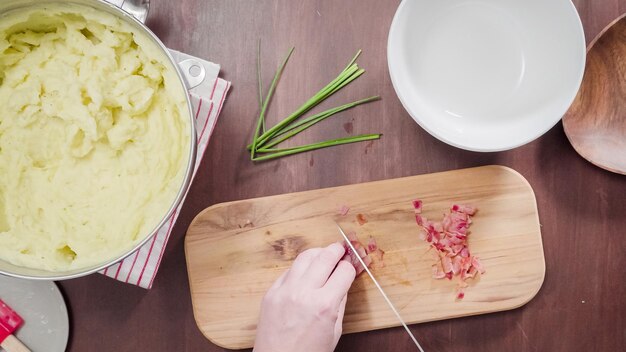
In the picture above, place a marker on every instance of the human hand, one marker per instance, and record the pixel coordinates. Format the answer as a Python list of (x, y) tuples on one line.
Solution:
[(303, 310)]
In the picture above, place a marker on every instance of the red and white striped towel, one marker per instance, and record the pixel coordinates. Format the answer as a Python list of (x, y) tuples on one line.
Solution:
[(207, 99)]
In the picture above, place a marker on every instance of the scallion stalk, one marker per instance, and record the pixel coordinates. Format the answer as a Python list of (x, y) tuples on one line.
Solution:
[(270, 93), (264, 140), (275, 153), (347, 76), (312, 120), (258, 72), (302, 125)]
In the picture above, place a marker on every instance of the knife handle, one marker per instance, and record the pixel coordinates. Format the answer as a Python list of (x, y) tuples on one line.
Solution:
[(12, 344)]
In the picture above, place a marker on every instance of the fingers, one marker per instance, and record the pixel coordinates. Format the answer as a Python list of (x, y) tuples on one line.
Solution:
[(323, 265), (301, 264), (339, 322), (340, 281)]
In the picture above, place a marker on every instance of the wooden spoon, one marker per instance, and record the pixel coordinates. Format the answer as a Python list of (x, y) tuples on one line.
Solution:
[(596, 122)]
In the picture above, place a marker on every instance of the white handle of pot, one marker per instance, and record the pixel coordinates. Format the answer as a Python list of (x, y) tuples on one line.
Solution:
[(137, 8)]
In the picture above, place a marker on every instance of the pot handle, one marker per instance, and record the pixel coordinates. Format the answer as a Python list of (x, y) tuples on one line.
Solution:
[(193, 71), (137, 8)]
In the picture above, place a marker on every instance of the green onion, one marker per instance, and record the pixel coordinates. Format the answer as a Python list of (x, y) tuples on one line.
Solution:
[(275, 153), (341, 81), (258, 71), (358, 53), (302, 125), (266, 102), (329, 112), (264, 140)]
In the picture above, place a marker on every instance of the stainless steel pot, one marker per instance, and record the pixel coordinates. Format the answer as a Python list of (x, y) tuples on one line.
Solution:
[(136, 7)]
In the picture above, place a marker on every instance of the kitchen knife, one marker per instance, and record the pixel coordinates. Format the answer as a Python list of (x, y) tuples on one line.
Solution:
[(9, 322), (393, 308)]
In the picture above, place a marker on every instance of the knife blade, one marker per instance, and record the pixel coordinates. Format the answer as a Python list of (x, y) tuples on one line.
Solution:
[(393, 308)]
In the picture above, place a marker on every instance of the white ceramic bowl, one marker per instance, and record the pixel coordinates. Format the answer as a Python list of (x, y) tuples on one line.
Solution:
[(486, 75)]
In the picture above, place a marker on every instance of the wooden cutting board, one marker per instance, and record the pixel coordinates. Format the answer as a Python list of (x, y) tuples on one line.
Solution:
[(236, 250)]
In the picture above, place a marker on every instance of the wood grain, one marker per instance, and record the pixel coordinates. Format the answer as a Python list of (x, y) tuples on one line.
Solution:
[(236, 250), (596, 122), (582, 207)]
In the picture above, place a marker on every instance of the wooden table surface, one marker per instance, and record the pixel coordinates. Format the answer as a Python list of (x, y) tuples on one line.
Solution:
[(582, 208)]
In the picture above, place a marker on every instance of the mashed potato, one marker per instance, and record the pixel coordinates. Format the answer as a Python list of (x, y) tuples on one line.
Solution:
[(94, 137)]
